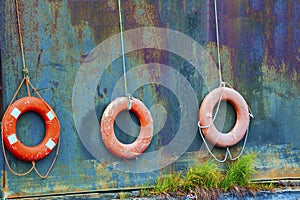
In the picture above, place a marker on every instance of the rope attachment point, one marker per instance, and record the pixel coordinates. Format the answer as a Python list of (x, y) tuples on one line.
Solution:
[(25, 69), (206, 126), (26, 72), (129, 97), (223, 85), (28, 84), (227, 153)]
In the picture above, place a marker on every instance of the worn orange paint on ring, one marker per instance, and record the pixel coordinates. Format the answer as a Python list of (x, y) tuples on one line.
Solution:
[(11, 140), (206, 117), (126, 151)]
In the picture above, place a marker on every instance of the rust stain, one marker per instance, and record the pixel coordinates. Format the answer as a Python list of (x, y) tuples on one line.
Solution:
[(255, 60), (100, 16), (143, 13)]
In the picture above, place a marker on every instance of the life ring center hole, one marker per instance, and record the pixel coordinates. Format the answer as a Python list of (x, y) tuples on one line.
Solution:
[(226, 117), (31, 129), (127, 127)]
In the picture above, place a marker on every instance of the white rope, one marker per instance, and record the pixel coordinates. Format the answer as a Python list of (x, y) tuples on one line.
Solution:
[(222, 84), (241, 152), (227, 153), (129, 96), (122, 47), (208, 149), (218, 43), (217, 109)]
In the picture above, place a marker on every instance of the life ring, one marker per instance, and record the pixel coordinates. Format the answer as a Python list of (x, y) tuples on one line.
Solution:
[(10, 119), (206, 117), (126, 151)]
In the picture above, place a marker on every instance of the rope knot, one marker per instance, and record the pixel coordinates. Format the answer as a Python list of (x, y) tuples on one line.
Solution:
[(26, 72), (129, 97)]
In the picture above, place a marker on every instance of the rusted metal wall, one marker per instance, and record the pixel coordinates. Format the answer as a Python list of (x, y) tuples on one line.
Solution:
[(260, 55)]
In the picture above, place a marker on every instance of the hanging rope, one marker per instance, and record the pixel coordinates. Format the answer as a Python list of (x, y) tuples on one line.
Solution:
[(207, 147), (33, 163), (129, 96), (52, 164), (122, 46), (25, 70), (7, 163), (218, 43), (28, 85), (222, 84), (227, 149)]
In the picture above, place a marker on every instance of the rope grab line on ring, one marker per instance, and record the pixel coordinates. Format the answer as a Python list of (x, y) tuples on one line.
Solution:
[(3, 132), (222, 86), (9, 139), (126, 151)]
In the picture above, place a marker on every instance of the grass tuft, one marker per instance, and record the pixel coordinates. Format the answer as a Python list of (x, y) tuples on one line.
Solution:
[(168, 184), (124, 195), (238, 172), (207, 181), (206, 175), (145, 191)]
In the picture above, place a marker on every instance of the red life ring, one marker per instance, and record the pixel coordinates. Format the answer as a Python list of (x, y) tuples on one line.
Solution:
[(10, 119), (126, 151), (206, 116)]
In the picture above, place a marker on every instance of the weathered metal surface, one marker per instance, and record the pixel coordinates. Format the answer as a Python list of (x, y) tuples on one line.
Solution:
[(260, 54)]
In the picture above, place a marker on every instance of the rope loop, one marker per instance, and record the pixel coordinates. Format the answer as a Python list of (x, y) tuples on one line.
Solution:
[(227, 84), (250, 112), (129, 97), (217, 109), (6, 160), (222, 84), (242, 150), (51, 166), (227, 153), (26, 73), (28, 84), (208, 149)]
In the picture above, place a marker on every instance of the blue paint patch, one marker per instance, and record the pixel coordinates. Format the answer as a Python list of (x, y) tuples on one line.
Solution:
[(57, 39)]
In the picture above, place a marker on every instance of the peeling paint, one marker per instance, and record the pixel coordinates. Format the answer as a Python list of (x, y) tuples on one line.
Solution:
[(260, 58)]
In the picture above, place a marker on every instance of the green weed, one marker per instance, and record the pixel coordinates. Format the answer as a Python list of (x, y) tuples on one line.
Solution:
[(262, 186), (124, 195), (168, 184), (145, 191), (206, 175), (238, 172), (208, 181)]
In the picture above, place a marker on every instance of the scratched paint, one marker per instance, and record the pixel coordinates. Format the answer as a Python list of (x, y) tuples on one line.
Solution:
[(260, 55)]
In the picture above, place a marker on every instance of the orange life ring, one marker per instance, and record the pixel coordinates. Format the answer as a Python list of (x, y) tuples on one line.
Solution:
[(206, 116), (10, 119), (126, 151)]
